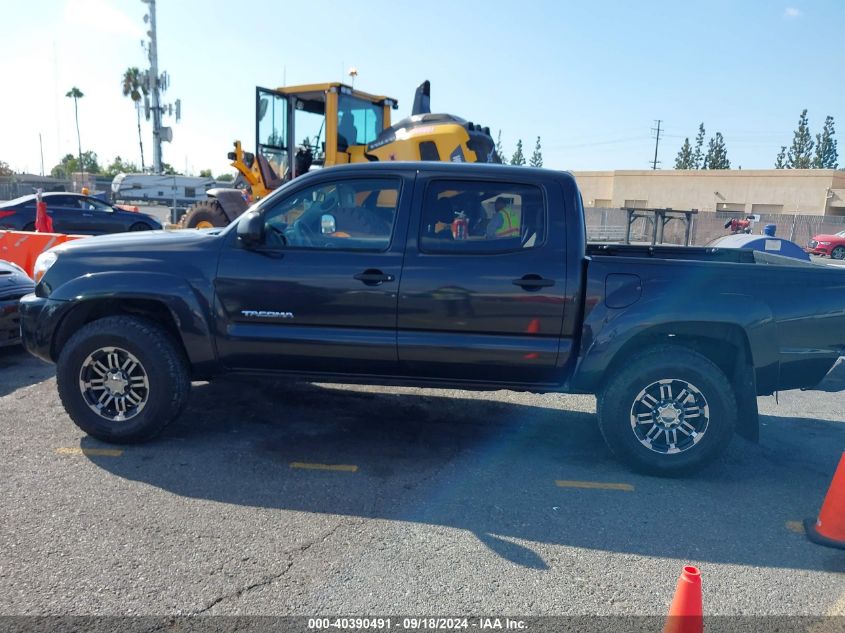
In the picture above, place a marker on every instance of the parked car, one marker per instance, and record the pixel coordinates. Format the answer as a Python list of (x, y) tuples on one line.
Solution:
[(442, 275), (14, 284), (832, 246), (74, 213)]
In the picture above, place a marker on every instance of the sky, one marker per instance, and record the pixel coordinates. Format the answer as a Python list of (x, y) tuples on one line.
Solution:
[(589, 77)]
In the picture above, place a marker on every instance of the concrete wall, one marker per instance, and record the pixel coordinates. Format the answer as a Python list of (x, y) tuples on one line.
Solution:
[(805, 191)]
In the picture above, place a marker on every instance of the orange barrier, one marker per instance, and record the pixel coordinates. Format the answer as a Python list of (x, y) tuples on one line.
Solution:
[(829, 529), (686, 615), (24, 247)]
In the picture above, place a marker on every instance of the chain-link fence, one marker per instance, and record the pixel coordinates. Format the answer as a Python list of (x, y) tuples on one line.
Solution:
[(608, 225)]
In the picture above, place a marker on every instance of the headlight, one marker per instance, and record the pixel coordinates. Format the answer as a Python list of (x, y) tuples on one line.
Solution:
[(824, 243), (42, 264)]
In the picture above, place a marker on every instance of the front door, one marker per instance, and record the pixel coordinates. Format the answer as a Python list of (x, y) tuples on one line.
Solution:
[(320, 295), (100, 216), (483, 291)]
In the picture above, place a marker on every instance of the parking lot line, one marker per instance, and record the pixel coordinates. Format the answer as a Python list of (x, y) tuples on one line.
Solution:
[(593, 485), (838, 609), (795, 526), (345, 468), (94, 452)]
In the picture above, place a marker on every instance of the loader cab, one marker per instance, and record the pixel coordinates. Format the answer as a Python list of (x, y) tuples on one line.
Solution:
[(332, 121)]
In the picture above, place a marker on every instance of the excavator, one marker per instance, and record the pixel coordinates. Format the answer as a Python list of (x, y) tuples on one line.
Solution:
[(336, 124)]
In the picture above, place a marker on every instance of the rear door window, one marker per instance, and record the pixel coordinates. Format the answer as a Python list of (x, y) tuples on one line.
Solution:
[(481, 217)]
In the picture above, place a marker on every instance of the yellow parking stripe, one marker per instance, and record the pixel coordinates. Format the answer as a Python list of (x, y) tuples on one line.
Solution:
[(94, 452), (838, 609), (345, 468), (593, 485)]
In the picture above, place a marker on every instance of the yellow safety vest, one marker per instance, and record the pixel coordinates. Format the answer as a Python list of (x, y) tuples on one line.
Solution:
[(510, 223)]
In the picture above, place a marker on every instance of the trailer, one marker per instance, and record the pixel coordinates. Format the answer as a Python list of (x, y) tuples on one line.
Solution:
[(181, 190)]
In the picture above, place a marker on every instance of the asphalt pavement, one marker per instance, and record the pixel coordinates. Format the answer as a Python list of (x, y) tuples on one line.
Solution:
[(275, 499)]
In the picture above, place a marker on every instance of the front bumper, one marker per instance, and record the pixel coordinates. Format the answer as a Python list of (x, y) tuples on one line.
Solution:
[(39, 318), (822, 251)]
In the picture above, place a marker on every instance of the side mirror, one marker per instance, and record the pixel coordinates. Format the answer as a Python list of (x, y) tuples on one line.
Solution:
[(251, 229), (328, 224)]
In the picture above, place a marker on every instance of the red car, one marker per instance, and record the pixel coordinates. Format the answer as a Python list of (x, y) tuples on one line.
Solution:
[(831, 245)]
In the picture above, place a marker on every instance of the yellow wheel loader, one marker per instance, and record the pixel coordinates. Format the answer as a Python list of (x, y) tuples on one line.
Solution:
[(335, 124)]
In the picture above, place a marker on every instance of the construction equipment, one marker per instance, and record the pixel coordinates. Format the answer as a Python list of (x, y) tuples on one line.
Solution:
[(337, 124)]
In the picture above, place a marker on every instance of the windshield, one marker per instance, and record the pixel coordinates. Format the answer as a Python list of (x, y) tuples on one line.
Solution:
[(359, 122)]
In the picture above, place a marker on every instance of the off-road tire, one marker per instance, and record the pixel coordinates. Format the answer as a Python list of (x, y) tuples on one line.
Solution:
[(615, 409), (162, 359), (207, 211)]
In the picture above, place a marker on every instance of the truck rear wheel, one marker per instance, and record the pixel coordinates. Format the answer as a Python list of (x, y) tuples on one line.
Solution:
[(668, 412), (205, 215), (122, 379)]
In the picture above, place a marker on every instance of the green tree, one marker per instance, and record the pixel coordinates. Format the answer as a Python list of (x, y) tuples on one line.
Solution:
[(70, 164), (76, 94), (800, 155), (5, 170), (90, 162), (66, 167), (698, 154), (684, 160), (826, 155), (225, 178), (501, 150), (518, 157), (780, 160), (717, 154), (119, 166), (168, 170), (536, 159), (205, 173), (135, 87)]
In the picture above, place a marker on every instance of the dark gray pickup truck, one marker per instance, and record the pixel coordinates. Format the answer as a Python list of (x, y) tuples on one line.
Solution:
[(447, 275)]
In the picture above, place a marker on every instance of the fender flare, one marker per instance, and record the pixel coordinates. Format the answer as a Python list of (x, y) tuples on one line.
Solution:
[(188, 308)]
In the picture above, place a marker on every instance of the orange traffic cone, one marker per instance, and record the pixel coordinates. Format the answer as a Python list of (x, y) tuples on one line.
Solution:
[(686, 614), (829, 529)]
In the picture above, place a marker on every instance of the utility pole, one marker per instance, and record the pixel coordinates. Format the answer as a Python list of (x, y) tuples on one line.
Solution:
[(156, 84), (656, 143), (154, 87)]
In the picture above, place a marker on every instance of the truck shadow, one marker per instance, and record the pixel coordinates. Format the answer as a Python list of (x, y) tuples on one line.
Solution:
[(18, 369), (489, 466)]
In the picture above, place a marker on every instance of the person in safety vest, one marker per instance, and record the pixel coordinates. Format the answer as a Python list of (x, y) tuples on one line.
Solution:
[(505, 221)]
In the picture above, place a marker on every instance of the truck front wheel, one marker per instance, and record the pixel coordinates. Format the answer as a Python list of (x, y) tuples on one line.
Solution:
[(122, 379), (668, 412)]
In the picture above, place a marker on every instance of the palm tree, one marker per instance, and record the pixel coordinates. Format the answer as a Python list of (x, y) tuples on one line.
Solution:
[(133, 87), (76, 94)]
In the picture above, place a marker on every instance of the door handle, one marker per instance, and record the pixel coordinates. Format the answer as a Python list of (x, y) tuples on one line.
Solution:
[(373, 277), (533, 282)]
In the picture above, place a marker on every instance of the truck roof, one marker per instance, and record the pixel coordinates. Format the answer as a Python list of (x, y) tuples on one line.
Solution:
[(475, 169)]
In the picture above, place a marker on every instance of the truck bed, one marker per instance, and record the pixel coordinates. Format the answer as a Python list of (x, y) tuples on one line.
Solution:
[(696, 253)]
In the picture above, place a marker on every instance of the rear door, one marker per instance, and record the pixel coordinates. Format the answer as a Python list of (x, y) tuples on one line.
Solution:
[(321, 294), (485, 302)]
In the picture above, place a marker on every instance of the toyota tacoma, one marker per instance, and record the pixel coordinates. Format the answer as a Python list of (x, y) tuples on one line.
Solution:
[(436, 275)]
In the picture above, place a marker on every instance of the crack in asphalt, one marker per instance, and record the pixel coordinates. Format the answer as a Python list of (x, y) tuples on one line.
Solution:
[(269, 580)]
